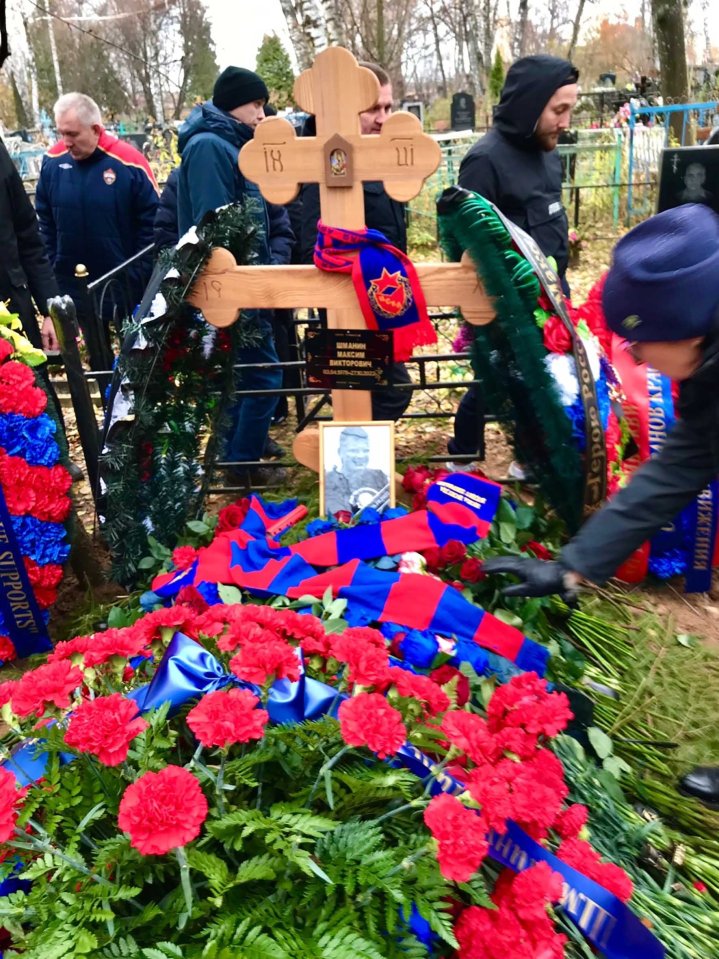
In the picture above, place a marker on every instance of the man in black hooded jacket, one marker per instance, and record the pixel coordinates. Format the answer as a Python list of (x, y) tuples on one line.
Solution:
[(517, 168), (662, 296)]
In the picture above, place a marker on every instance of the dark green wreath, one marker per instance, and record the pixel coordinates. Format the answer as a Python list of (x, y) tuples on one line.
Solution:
[(508, 354), (178, 372)]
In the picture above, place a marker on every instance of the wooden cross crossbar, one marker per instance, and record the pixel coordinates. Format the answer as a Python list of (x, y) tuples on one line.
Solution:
[(339, 158)]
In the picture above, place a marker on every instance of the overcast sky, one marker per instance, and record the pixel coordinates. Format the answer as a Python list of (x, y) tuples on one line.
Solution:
[(239, 25)]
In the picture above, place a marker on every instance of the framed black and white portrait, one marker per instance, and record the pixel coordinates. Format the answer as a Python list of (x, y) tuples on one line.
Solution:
[(689, 175), (356, 467)]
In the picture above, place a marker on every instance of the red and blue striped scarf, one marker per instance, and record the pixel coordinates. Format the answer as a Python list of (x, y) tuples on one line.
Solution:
[(385, 280)]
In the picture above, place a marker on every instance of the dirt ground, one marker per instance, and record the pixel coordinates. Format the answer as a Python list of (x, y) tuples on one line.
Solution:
[(416, 439)]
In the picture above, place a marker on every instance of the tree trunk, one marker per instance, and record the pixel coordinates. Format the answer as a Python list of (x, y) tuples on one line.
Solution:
[(307, 29), (575, 29), (669, 31), (520, 34), (438, 52)]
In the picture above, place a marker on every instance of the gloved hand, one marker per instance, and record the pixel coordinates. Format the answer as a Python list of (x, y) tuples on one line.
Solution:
[(539, 577)]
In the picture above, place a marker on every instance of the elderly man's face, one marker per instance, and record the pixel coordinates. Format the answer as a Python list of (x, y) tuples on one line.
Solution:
[(79, 139), (694, 178), (354, 453)]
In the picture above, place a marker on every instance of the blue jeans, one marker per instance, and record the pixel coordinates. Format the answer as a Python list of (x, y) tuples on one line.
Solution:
[(249, 416)]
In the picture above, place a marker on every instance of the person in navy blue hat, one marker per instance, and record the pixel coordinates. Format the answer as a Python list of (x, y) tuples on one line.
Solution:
[(662, 296)]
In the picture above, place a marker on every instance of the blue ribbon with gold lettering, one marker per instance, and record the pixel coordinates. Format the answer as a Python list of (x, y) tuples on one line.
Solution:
[(20, 612)]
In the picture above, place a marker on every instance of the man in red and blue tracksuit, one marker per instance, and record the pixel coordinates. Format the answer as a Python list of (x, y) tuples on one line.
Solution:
[(96, 200)]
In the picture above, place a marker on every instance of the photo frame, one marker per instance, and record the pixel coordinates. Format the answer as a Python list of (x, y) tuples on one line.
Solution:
[(356, 467), (688, 175)]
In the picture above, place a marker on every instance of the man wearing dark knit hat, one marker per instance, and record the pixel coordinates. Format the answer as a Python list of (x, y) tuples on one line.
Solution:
[(662, 296), (210, 143)]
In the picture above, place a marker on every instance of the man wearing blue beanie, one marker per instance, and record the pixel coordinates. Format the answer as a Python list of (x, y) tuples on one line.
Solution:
[(662, 296)]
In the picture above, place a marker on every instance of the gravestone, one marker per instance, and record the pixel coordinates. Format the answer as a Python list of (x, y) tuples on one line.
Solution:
[(462, 111)]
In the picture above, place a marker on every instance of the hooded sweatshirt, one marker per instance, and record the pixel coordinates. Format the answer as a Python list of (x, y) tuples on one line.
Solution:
[(509, 167)]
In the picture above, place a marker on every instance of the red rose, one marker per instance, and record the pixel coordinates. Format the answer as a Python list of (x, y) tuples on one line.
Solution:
[(51, 684), (162, 811), (471, 570), (540, 551), (557, 338), (266, 661), (231, 516), (461, 837), (191, 597), (367, 719), (105, 727), (9, 796), (343, 516), (452, 552), (223, 718)]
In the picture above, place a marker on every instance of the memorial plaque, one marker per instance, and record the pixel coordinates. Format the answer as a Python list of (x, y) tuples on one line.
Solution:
[(462, 112), (347, 359)]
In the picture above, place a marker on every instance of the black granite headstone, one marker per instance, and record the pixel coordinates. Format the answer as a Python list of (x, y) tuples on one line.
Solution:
[(462, 112)]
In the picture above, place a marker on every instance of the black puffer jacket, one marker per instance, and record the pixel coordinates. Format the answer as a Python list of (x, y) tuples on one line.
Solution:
[(25, 271), (664, 485), (165, 230), (508, 166)]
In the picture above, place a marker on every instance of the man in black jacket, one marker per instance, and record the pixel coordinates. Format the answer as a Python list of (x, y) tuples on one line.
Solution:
[(517, 168), (25, 272), (381, 213), (662, 296)]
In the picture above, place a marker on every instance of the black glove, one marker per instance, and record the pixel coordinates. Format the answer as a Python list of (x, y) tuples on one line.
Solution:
[(539, 577)]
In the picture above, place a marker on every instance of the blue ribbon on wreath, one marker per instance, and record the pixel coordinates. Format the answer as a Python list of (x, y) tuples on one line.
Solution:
[(20, 614)]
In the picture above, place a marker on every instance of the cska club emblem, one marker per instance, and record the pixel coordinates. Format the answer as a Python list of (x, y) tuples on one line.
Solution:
[(390, 295)]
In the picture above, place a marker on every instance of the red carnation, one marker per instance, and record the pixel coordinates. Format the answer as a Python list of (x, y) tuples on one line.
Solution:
[(445, 674), (525, 702), (9, 796), (184, 556), (70, 649), (162, 811), (7, 690), (125, 643), (51, 684), (461, 835), (105, 727), (367, 662), (433, 698), (6, 350), (223, 718), (368, 720), (570, 822), (266, 661)]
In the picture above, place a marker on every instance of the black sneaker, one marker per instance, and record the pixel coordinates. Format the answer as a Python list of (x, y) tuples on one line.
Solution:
[(272, 450)]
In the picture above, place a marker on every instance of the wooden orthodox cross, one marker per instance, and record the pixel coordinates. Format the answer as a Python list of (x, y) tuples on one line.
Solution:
[(336, 90)]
